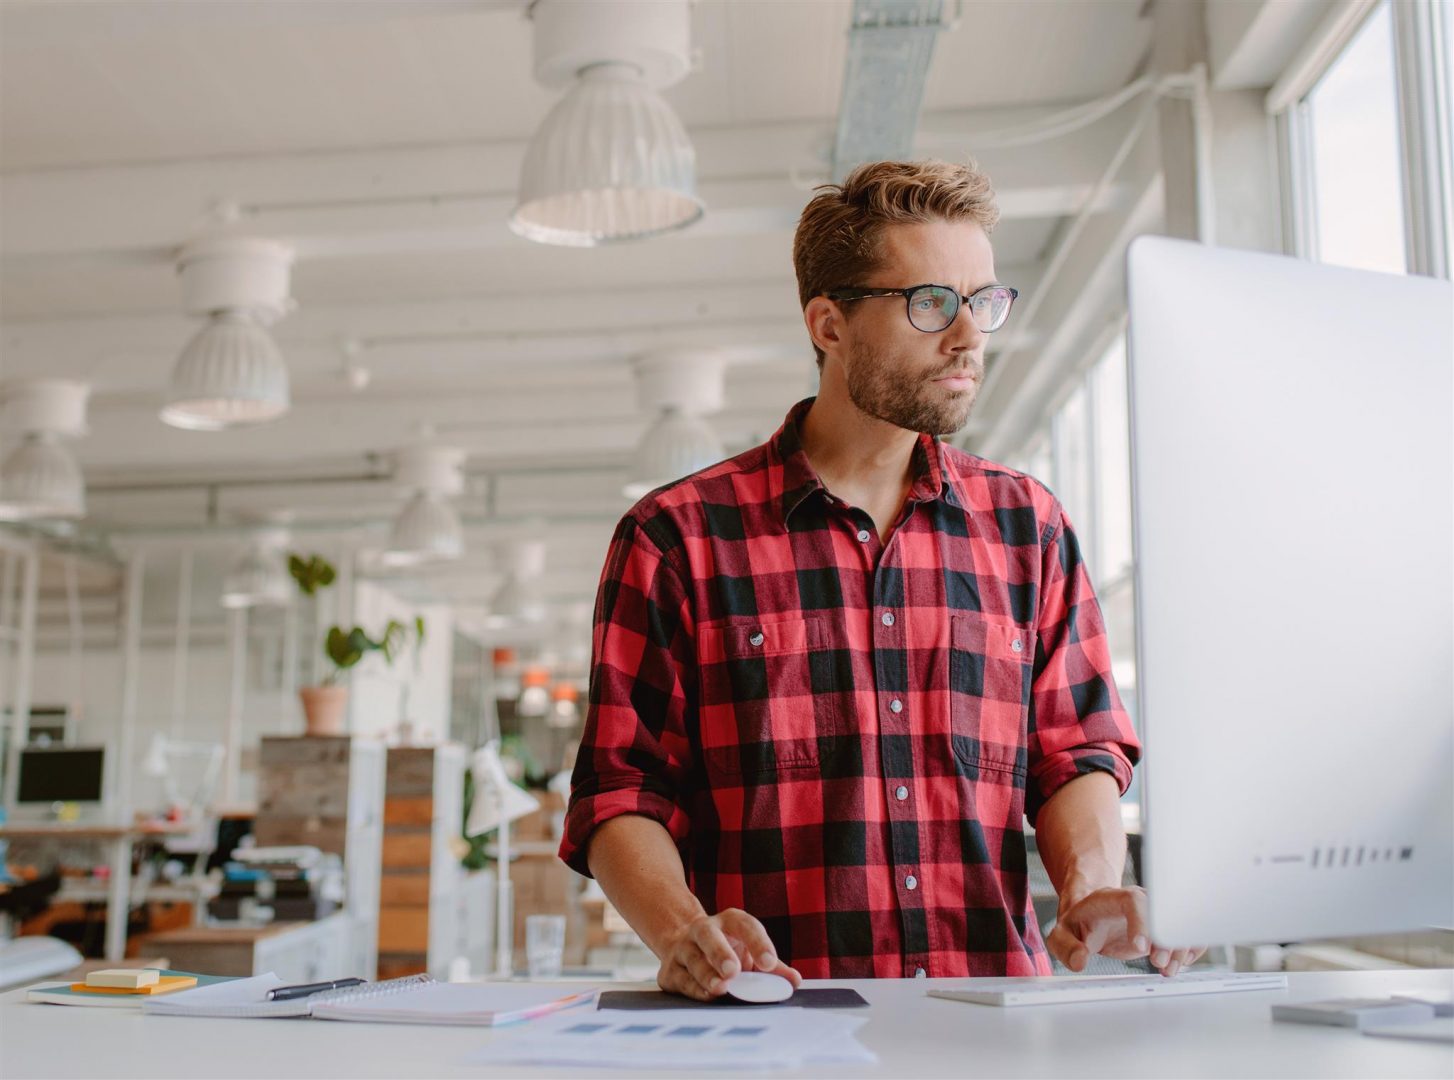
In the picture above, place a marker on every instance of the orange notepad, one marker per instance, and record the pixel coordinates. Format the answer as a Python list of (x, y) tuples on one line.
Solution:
[(164, 985)]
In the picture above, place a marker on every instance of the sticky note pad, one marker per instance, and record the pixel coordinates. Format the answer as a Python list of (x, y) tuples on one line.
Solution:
[(124, 978)]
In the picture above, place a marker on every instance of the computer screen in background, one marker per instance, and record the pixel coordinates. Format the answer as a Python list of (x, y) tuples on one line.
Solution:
[(1292, 430), (61, 774)]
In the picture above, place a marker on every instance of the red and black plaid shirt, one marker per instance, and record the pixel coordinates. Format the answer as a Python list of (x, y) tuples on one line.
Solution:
[(845, 737)]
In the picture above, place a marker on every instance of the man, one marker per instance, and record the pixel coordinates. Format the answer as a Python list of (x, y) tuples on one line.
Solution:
[(834, 675)]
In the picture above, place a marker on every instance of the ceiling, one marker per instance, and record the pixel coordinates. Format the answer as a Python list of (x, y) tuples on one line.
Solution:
[(383, 140)]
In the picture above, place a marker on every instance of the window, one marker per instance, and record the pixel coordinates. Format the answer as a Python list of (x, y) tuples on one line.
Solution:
[(1083, 454), (1356, 184)]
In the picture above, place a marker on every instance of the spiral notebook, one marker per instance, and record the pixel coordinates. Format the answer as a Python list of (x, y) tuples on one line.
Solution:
[(414, 999), (421, 1000)]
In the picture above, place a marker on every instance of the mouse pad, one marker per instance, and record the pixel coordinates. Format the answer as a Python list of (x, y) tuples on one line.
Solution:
[(822, 997)]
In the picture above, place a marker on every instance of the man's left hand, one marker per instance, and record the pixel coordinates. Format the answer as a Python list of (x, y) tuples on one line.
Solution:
[(1111, 922)]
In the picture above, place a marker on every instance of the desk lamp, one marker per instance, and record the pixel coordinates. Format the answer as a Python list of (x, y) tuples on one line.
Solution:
[(498, 802)]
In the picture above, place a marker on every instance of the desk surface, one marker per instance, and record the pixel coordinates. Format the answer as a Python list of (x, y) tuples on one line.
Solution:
[(913, 1035), (67, 830)]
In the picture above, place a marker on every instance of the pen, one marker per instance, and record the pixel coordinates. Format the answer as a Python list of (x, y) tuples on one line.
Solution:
[(288, 993)]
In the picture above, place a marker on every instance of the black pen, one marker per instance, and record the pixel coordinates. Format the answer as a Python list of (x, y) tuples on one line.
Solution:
[(288, 993)]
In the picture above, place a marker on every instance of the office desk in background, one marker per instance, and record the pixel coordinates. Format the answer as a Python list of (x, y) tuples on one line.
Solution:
[(118, 840), (1207, 1035)]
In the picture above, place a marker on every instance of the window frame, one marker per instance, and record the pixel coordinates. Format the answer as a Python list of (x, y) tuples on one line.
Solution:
[(1421, 37)]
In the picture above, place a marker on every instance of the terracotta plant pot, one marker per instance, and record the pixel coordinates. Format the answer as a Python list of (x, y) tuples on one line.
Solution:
[(324, 707)]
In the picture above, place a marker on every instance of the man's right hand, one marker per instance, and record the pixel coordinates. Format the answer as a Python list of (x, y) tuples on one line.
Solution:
[(710, 949)]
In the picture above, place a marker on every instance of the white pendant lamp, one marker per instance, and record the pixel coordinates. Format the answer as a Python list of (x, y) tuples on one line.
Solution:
[(427, 528), (39, 478), (611, 161), (520, 599), (260, 578), (677, 388), (231, 373), (675, 445)]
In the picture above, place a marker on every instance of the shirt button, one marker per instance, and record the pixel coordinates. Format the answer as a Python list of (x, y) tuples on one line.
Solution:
[(901, 793), (756, 639), (863, 536), (888, 618), (896, 706), (911, 883), (1017, 645), (920, 973)]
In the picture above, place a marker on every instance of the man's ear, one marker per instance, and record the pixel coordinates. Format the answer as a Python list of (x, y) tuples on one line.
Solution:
[(824, 320)]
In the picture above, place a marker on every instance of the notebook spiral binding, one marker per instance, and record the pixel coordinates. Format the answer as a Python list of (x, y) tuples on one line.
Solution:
[(371, 990)]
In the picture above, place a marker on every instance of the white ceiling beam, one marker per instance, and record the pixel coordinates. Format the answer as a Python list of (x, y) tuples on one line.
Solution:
[(36, 22), (325, 201)]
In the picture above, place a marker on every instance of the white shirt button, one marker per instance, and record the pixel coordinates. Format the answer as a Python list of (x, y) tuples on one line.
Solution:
[(888, 618), (756, 638), (1017, 645), (901, 793), (896, 706), (863, 536), (920, 973), (911, 883)]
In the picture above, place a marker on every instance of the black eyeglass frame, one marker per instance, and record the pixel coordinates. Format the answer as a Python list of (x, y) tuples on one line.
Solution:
[(848, 292)]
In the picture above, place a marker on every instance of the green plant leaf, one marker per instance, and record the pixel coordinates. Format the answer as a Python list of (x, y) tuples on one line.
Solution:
[(312, 573)]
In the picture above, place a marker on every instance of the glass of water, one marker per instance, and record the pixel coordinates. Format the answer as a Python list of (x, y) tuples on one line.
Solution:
[(544, 945)]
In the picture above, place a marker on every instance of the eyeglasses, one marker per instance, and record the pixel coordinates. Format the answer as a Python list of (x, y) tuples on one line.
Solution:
[(932, 308)]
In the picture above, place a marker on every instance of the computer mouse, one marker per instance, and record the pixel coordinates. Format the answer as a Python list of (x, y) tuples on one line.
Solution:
[(759, 988)]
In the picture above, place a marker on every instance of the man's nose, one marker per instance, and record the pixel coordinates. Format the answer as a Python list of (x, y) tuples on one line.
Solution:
[(963, 335)]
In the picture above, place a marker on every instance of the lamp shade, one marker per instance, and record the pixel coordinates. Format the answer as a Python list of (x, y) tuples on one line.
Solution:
[(519, 601), (496, 798), (230, 374), (40, 480), (426, 530), (675, 446), (258, 579), (610, 162)]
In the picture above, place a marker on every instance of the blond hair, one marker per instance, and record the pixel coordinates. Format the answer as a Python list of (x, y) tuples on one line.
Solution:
[(839, 237)]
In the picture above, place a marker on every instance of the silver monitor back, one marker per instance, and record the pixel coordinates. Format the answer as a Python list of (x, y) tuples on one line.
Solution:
[(1292, 432)]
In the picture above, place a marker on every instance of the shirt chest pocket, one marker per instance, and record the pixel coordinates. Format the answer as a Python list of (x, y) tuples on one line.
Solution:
[(763, 705), (991, 664)]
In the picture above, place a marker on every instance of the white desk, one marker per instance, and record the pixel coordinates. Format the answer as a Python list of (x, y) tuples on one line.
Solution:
[(1209, 1035)]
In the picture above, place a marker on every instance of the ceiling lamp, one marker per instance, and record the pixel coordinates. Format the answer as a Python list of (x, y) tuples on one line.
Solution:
[(611, 161), (520, 599), (231, 372), (40, 479), (260, 577), (678, 388), (534, 693), (427, 528)]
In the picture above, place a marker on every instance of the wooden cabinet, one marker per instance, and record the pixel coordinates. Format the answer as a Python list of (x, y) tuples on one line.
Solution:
[(421, 884)]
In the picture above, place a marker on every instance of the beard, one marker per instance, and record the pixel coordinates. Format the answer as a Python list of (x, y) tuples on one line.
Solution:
[(878, 386)]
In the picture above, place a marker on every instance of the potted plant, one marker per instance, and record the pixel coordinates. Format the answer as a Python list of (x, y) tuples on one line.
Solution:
[(324, 705)]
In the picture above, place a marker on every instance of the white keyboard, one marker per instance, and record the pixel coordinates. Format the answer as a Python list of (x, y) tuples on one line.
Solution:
[(1062, 991)]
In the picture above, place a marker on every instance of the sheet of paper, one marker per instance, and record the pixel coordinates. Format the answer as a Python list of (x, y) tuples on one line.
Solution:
[(234, 998), (723, 1038)]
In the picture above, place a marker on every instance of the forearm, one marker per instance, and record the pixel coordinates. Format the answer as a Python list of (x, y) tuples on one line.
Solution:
[(641, 873), (1080, 837)]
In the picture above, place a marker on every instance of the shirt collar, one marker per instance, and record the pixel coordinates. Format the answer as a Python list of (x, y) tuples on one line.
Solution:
[(934, 473)]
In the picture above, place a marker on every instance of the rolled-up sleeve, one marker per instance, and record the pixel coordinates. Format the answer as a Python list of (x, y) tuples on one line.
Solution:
[(1077, 721), (634, 755)]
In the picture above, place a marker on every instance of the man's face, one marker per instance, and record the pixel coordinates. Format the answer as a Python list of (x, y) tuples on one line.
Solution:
[(920, 381)]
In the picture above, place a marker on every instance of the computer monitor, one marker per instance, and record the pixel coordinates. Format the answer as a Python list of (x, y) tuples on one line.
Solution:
[(1292, 434), (61, 774)]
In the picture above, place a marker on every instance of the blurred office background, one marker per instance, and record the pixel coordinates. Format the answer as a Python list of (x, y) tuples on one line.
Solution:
[(262, 304)]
